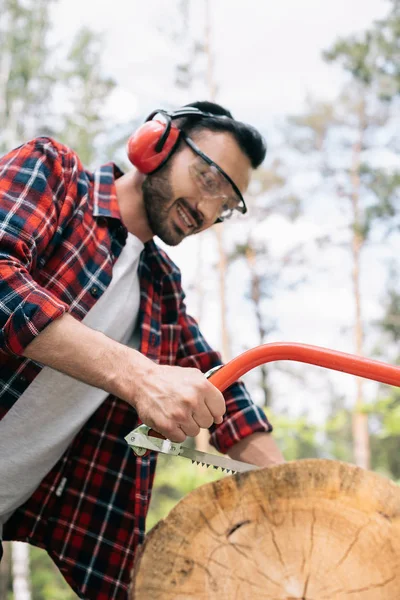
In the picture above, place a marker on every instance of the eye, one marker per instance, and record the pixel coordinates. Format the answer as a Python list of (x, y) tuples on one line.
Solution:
[(226, 212), (209, 181)]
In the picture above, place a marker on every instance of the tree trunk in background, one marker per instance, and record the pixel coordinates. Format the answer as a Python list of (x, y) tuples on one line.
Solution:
[(361, 447), (255, 286), (222, 269), (309, 529), (222, 258), (202, 439), (198, 282), (20, 570)]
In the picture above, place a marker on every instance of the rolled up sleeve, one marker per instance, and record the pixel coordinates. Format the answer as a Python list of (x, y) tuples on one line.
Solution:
[(30, 194)]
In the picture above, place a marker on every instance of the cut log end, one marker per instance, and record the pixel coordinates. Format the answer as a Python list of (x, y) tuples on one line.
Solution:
[(306, 530)]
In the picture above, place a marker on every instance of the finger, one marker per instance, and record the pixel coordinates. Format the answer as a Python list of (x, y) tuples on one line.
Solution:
[(215, 403), (203, 418), (176, 435), (190, 428)]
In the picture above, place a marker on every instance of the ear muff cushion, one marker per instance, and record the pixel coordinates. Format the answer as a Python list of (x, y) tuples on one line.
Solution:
[(142, 143)]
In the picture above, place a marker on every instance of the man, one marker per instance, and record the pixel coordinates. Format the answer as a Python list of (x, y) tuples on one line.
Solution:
[(95, 335)]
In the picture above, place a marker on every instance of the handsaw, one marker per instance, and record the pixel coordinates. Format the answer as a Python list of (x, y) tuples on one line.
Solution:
[(144, 439)]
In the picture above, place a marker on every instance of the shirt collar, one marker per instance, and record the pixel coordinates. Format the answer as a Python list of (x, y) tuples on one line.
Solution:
[(105, 203)]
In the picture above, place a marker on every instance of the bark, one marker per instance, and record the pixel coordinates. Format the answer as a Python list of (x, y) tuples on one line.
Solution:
[(300, 531)]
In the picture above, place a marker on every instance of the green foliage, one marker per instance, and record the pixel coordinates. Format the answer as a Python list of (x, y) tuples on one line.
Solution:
[(87, 89), (46, 580), (296, 436), (391, 320), (30, 81), (385, 444), (373, 57), (175, 478), (385, 186), (26, 76), (355, 56)]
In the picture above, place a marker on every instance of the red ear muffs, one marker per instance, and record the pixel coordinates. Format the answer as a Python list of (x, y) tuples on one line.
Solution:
[(152, 144)]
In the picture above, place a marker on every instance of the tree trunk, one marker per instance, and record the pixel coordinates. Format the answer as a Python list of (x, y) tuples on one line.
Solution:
[(256, 299), (222, 259), (361, 447), (201, 440), (20, 569), (305, 530)]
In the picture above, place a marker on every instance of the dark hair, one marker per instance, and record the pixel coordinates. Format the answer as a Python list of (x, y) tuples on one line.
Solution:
[(247, 137)]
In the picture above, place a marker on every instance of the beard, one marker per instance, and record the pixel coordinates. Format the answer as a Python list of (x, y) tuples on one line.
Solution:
[(158, 200)]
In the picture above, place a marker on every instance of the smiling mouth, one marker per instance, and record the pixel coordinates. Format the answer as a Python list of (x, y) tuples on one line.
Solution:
[(185, 216)]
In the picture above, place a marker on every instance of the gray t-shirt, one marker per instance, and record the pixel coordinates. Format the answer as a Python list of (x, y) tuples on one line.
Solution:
[(40, 426)]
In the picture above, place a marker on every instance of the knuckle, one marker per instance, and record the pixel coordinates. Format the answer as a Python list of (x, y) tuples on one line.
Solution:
[(179, 415)]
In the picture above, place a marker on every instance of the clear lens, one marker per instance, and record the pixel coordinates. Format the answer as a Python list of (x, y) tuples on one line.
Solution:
[(213, 184)]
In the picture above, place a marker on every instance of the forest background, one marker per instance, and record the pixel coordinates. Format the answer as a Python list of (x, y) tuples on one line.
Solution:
[(314, 261)]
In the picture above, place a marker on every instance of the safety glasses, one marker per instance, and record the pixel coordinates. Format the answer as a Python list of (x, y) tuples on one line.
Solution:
[(212, 181)]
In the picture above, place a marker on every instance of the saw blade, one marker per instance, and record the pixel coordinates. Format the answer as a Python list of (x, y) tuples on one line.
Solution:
[(218, 462), (140, 442)]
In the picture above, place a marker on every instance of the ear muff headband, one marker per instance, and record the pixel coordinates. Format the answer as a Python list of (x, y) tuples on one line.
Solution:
[(152, 144)]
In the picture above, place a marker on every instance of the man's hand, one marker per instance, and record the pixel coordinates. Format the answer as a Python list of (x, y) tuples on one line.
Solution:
[(177, 401)]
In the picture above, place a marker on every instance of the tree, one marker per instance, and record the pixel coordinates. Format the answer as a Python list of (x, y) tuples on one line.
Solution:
[(26, 77), (87, 90), (342, 137), (371, 59)]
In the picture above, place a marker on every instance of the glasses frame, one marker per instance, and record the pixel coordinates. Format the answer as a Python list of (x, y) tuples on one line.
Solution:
[(241, 207)]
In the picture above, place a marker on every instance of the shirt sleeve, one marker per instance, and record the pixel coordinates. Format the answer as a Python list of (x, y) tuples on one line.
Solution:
[(242, 417), (31, 193)]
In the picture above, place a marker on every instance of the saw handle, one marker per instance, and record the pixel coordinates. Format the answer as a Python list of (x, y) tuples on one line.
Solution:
[(222, 377), (156, 434), (313, 355)]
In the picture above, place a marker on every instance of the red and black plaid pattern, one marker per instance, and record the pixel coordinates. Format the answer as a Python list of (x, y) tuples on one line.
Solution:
[(60, 233)]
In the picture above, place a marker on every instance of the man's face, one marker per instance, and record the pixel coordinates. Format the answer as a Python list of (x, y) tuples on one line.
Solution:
[(176, 205)]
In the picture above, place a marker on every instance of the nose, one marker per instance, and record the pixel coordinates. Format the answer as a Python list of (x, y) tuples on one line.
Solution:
[(210, 208)]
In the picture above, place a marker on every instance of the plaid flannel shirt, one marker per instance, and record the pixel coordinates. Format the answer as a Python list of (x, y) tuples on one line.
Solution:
[(60, 234)]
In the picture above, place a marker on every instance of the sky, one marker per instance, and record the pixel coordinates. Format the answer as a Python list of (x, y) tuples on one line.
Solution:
[(268, 59), (268, 54)]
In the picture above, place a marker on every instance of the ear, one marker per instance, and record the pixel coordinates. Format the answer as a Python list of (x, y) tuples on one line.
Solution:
[(142, 145)]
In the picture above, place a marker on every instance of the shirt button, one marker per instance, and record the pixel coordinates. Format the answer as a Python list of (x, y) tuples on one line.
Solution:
[(94, 290)]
